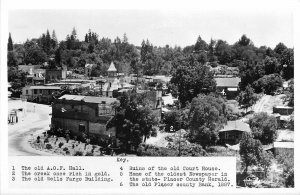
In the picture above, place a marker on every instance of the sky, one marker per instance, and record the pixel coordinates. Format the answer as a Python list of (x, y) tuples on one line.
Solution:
[(160, 27)]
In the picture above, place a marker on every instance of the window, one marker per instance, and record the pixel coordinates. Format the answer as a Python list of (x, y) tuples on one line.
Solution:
[(26, 91), (81, 128), (35, 91)]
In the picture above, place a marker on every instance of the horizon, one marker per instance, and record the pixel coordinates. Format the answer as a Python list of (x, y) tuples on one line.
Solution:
[(160, 27)]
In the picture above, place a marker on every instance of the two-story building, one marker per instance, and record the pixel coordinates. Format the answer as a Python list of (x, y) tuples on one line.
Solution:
[(55, 75), (228, 86), (39, 93), (84, 114)]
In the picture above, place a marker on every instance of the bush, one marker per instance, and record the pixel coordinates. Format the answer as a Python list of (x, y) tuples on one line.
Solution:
[(89, 154), (66, 149), (150, 150), (60, 144), (78, 153), (48, 146)]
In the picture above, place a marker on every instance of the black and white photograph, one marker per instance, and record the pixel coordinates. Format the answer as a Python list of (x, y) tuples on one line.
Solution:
[(139, 83)]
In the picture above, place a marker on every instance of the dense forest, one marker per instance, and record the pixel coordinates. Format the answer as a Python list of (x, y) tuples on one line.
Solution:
[(258, 66)]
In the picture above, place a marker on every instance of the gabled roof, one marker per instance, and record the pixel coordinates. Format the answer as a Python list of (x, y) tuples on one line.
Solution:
[(283, 145), (44, 87), (112, 68), (228, 82), (237, 125)]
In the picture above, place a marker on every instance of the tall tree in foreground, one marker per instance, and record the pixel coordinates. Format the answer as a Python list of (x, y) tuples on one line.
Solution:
[(247, 98), (134, 119), (250, 150), (207, 115), (264, 127), (10, 46)]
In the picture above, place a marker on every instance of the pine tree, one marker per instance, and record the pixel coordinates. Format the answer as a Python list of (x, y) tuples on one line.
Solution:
[(54, 40), (47, 42), (10, 46)]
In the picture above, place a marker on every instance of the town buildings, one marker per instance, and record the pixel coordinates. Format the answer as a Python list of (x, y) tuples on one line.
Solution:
[(232, 132), (88, 69), (84, 114), (55, 75), (39, 93), (228, 86)]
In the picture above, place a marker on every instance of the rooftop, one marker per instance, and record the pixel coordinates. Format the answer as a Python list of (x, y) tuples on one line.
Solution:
[(44, 87), (283, 144), (27, 68), (236, 125), (228, 82), (89, 99), (112, 68)]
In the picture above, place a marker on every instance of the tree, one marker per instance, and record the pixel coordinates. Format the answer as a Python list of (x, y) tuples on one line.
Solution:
[(266, 159), (290, 93), (175, 119), (200, 45), (271, 65), (206, 116), (287, 61), (11, 59), (224, 52), (279, 48), (192, 80), (247, 98), (268, 83), (54, 40), (34, 54), (264, 127), (250, 150), (10, 45), (244, 41), (134, 119)]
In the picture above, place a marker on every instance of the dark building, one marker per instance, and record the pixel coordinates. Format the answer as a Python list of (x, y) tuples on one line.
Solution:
[(55, 75), (228, 86), (232, 132), (84, 114)]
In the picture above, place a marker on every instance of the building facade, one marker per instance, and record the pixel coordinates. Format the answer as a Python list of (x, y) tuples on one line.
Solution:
[(55, 75), (39, 94), (84, 114)]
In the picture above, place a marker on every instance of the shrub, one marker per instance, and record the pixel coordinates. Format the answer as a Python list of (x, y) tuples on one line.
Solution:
[(66, 149), (78, 153), (60, 144), (150, 150), (89, 154), (48, 146)]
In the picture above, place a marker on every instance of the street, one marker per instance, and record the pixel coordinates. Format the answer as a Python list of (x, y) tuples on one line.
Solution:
[(33, 120)]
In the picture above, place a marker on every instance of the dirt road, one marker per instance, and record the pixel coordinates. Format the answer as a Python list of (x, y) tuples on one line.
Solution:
[(33, 120)]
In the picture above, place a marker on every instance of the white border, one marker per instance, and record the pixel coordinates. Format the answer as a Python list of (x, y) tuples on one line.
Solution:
[(213, 5)]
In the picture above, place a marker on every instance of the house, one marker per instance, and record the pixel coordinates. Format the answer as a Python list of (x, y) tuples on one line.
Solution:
[(232, 132), (283, 110), (84, 114), (228, 86), (36, 77), (39, 94), (283, 148), (28, 68), (55, 75), (35, 74), (88, 69)]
